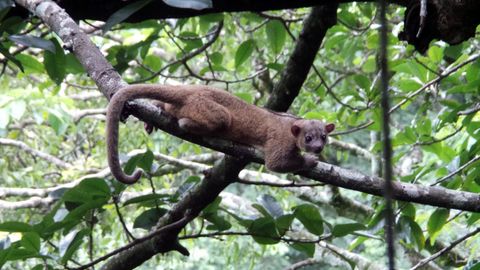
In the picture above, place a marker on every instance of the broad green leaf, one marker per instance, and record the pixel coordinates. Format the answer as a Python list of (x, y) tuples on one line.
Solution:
[(147, 199), (42, 267), (443, 151), (474, 217), (55, 63), (13, 226), (276, 35), (88, 190), (417, 234), (243, 52), (309, 216), (436, 222), (409, 210), (263, 231), (307, 248), (123, 13), (454, 52), (191, 40), (4, 51), (70, 243), (31, 241), (362, 81), (79, 212), (216, 58), (435, 53), (247, 97), (146, 160), (475, 266), (344, 229), (72, 65), (283, 223), (218, 223), (30, 63), (149, 218), (18, 254)]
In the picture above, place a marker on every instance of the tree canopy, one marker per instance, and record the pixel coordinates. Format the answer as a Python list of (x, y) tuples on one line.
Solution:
[(213, 199)]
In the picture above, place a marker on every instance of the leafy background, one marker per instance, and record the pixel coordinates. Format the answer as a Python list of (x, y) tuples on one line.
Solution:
[(49, 104)]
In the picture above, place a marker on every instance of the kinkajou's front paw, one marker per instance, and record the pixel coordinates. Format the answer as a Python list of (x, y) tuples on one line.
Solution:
[(310, 161)]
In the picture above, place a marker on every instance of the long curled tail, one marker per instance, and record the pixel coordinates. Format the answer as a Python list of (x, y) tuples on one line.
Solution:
[(165, 93)]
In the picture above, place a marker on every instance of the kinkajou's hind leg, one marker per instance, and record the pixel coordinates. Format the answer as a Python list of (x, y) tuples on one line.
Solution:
[(207, 118)]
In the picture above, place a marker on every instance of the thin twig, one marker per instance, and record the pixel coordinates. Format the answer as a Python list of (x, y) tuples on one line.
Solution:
[(177, 224), (445, 249), (448, 176)]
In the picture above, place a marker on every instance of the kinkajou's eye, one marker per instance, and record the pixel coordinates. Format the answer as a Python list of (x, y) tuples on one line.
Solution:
[(324, 137), (308, 138)]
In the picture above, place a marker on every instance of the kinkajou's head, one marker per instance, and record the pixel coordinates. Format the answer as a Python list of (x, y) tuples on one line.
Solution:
[(311, 135)]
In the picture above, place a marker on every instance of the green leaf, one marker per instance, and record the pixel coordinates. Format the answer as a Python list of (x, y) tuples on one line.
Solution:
[(149, 218), (307, 248), (216, 58), (344, 229), (475, 266), (309, 216), (31, 241), (276, 35), (55, 63), (219, 223), (247, 97), (88, 190), (123, 13), (147, 199), (13, 226), (417, 234), (362, 81), (18, 254), (30, 63), (243, 52), (56, 122), (435, 53), (436, 222), (146, 160), (4, 51), (72, 65), (33, 42), (443, 151), (409, 210), (70, 243), (283, 223), (75, 216), (474, 217), (263, 231)]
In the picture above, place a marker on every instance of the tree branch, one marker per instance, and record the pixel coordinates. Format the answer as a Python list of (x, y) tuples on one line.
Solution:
[(58, 162)]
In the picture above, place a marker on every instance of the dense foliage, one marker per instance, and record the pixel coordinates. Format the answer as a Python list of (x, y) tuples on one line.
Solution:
[(59, 205)]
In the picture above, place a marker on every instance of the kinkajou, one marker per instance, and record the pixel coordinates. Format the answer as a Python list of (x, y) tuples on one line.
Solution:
[(205, 110)]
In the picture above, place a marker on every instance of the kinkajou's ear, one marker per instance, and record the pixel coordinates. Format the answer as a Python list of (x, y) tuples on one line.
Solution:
[(295, 130), (330, 127)]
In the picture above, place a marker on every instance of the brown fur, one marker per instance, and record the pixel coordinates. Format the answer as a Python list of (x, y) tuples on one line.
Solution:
[(208, 111)]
